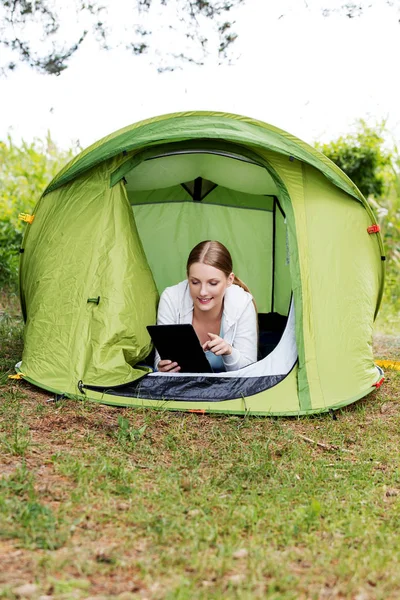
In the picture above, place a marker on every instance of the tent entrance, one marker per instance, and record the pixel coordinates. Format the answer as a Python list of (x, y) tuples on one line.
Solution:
[(217, 387), (181, 194)]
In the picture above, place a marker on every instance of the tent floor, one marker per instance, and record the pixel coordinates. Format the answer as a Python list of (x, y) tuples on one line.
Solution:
[(271, 327)]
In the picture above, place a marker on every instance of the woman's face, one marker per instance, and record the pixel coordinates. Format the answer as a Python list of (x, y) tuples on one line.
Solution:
[(207, 286)]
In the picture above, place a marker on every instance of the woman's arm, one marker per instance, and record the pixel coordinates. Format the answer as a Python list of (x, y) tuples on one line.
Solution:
[(244, 346), (167, 314)]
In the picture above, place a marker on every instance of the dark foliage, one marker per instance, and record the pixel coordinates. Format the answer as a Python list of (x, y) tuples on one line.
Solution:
[(30, 31)]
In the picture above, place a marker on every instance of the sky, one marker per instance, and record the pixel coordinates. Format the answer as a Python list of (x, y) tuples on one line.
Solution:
[(311, 75)]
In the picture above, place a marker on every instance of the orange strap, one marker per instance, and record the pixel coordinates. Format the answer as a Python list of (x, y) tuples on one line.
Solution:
[(25, 217)]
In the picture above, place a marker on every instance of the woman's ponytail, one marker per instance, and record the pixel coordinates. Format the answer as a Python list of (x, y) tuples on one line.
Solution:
[(244, 287), (240, 283)]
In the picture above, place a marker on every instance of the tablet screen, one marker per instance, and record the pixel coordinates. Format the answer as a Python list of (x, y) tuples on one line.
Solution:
[(180, 344)]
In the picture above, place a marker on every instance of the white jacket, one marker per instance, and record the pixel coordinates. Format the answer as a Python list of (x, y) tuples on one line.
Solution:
[(239, 320)]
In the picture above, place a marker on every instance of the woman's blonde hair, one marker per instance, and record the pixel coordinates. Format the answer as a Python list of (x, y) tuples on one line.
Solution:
[(214, 254)]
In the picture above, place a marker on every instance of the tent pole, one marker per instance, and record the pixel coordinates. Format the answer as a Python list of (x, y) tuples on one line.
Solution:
[(273, 254)]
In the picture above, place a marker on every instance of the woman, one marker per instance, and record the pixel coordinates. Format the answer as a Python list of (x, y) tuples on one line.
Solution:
[(217, 304)]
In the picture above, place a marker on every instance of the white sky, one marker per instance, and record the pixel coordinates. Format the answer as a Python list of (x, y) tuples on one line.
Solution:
[(310, 75)]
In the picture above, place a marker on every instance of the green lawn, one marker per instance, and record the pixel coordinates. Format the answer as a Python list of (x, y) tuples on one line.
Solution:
[(104, 502)]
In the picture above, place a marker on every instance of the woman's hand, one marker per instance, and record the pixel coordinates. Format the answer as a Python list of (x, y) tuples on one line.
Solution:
[(167, 366), (217, 345)]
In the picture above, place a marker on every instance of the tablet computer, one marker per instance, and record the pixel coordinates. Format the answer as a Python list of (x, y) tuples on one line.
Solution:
[(180, 344)]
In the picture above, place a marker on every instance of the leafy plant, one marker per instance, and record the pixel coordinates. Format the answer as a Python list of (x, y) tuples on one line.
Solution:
[(364, 158), (127, 435)]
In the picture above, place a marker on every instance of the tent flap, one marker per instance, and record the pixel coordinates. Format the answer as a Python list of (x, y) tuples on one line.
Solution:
[(90, 249)]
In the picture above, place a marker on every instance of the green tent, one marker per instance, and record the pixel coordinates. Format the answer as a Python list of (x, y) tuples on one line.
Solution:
[(115, 227)]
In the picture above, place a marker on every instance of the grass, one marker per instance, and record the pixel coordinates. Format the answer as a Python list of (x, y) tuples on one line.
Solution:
[(11, 328), (108, 502)]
